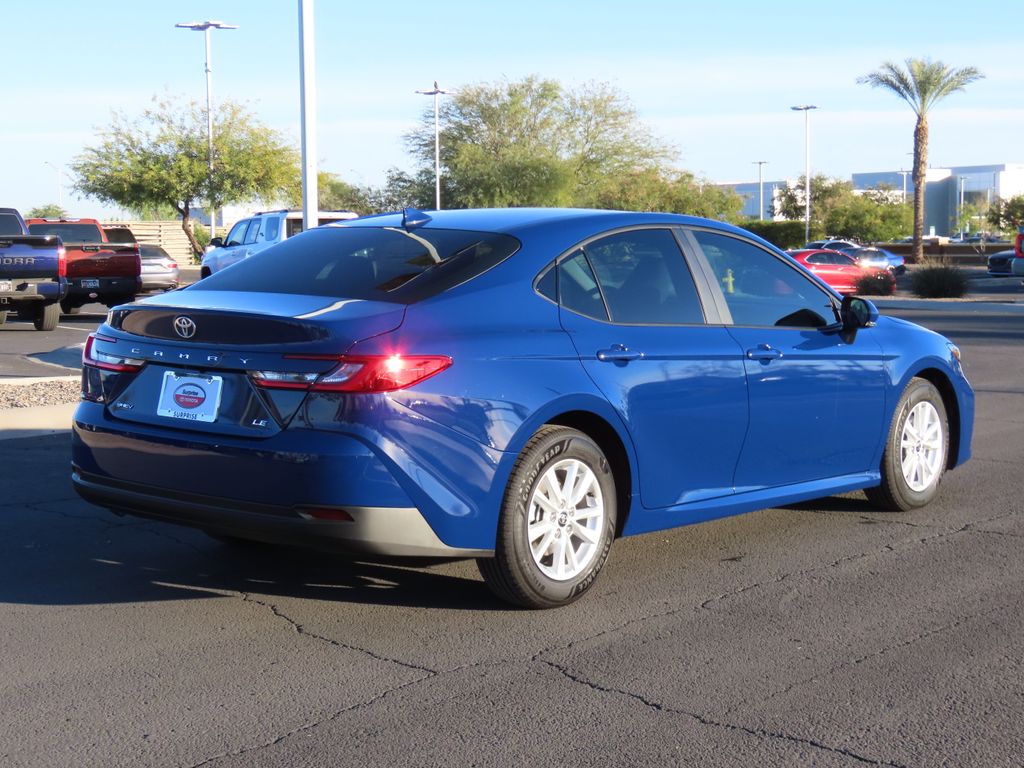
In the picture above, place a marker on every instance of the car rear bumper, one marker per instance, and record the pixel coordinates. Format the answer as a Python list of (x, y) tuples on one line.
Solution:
[(393, 531), (277, 488), (109, 287)]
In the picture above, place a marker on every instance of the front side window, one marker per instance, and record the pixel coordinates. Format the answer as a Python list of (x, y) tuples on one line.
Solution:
[(645, 279), (237, 233), (760, 289)]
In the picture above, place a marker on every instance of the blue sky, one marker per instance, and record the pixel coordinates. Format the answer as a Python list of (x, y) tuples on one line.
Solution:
[(714, 81)]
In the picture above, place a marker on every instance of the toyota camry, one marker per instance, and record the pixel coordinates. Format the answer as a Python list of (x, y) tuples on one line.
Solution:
[(521, 387)]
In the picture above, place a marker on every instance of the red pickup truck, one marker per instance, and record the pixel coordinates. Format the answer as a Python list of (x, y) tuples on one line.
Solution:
[(97, 271)]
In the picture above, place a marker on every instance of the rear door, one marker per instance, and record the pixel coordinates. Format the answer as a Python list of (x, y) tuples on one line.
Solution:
[(633, 310)]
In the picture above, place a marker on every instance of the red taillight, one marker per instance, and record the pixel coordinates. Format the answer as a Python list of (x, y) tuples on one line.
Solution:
[(62, 262), (1018, 248), (105, 361), (362, 374)]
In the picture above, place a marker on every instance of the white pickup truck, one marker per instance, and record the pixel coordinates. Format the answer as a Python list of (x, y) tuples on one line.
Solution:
[(258, 232)]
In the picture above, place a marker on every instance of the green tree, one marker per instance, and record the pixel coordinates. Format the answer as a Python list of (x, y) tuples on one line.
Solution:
[(48, 211), (532, 142), (868, 218), (1007, 215), (652, 189), (922, 84), (160, 158), (826, 193)]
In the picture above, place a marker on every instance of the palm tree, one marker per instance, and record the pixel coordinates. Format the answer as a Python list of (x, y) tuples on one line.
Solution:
[(922, 84)]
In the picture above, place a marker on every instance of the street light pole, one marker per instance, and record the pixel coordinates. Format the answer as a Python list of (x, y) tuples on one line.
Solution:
[(806, 109), (205, 27), (435, 92), (760, 186), (904, 175), (60, 184), (307, 98)]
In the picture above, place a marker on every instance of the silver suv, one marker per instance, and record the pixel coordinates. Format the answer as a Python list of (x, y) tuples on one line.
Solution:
[(258, 232)]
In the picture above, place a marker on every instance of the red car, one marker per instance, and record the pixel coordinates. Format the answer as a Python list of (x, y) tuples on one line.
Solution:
[(838, 270)]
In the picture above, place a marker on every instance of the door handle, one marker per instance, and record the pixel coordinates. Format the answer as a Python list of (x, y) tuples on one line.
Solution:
[(764, 352), (618, 353)]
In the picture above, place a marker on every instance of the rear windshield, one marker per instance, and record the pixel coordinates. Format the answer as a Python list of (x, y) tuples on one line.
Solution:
[(383, 264), (119, 235), (69, 233), (9, 224)]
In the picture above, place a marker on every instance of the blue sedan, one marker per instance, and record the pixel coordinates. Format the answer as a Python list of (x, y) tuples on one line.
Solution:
[(517, 386)]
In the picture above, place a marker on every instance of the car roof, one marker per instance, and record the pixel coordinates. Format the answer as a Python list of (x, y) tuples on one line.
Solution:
[(521, 220)]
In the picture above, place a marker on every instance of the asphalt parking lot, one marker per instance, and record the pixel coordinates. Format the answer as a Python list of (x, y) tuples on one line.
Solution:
[(821, 634)]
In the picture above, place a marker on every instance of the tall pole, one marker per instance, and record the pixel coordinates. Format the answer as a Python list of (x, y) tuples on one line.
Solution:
[(904, 175), (436, 92), (60, 184), (760, 186), (307, 95), (205, 27), (806, 109)]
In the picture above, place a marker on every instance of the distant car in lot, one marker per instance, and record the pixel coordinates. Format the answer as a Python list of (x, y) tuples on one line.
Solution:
[(258, 232), (839, 270), (518, 386), (1001, 262), (879, 258), (159, 270)]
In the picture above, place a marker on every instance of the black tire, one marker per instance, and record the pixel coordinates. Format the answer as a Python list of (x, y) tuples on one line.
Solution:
[(896, 492), (69, 309), (515, 574), (47, 317), (204, 272)]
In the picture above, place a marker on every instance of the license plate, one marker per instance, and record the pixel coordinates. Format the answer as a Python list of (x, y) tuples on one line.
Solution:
[(189, 397), (90, 283), (6, 285)]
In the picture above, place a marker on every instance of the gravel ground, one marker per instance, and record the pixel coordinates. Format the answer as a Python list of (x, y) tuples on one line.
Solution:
[(40, 393)]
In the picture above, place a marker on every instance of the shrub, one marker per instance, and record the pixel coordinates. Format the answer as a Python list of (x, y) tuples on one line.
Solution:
[(938, 282), (878, 283), (782, 234)]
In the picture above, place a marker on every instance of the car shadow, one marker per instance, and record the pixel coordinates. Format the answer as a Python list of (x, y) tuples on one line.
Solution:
[(71, 553)]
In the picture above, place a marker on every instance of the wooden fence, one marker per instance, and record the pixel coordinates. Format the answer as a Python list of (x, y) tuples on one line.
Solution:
[(167, 234)]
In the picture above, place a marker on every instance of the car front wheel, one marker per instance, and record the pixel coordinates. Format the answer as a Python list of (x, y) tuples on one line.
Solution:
[(557, 521), (916, 450)]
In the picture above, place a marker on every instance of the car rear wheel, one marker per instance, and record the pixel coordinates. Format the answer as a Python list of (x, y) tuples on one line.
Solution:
[(47, 317), (916, 450), (557, 521)]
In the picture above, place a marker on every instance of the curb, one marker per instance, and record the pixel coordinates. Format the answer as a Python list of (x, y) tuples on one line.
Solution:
[(36, 420)]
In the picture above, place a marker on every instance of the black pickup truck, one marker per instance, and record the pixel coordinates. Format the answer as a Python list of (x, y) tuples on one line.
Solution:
[(33, 273)]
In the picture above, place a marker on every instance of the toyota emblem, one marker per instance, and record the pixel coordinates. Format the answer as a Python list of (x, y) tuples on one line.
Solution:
[(184, 327)]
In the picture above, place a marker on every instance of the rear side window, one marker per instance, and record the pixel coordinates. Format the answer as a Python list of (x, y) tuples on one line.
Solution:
[(9, 224), (577, 287), (645, 279), (377, 263), (271, 229)]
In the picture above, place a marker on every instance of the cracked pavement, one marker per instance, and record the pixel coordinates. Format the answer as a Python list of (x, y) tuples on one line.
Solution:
[(823, 633)]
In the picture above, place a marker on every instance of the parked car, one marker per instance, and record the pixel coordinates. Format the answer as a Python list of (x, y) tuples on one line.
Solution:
[(879, 258), (516, 386), (119, 233), (1001, 263), (832, 243), (1017, 265), (97, 270), (33, 273), (159, 270), (252, 235), (838, 270)]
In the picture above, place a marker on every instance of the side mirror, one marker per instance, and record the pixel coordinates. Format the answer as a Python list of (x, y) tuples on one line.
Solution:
[(217, 242), (856, 313)]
